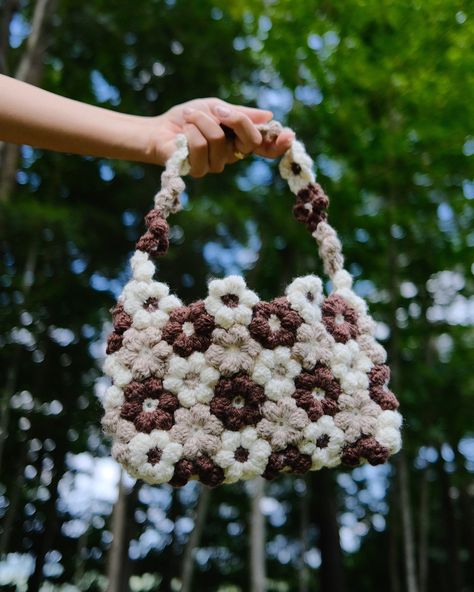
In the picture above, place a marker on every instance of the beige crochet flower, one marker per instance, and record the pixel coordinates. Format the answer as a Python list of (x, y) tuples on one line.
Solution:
[(283, 423), (197, 430), (313, 344), (144, 353), (358, 416), (232, 350)]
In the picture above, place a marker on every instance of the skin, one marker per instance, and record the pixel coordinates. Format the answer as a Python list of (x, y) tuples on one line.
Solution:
[(33, 116)]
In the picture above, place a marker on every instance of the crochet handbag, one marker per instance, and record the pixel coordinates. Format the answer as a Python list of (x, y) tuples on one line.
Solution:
[(231, 387)]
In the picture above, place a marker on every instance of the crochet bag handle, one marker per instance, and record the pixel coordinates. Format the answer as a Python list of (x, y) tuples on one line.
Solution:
[(296, 167)]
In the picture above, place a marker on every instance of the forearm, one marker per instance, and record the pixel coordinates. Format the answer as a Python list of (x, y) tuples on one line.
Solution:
[(30, 115)]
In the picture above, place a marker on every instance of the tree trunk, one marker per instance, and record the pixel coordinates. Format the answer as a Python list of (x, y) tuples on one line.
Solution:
[(393, 528), (50, 529), (407, 524), (451, 528), (14, 498), (303, 580), (194, 539), (258, 575), (424, 530), (29, 70), (6, 15), (115, 557), (332, 578)]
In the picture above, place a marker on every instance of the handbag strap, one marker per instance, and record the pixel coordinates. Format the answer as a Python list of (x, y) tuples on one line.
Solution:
[(296, 167)]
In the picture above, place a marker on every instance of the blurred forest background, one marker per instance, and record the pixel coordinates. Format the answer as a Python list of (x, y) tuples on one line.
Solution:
[(381, 92)]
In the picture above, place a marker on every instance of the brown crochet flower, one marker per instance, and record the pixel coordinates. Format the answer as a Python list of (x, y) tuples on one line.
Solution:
[(237, 401), (340, 318), (204, 467), (121, 321), (155, 241), (379, 392), (310, 206), (317, 392), (274, 323), (290, 458), (367, 448), (148, 405), (189, 329)]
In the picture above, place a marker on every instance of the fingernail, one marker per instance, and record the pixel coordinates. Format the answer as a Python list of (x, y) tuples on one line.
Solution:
[(223, 111), (188, 110)]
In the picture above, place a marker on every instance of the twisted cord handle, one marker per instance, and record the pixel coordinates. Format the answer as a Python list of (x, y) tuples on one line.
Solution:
[(296, 167)]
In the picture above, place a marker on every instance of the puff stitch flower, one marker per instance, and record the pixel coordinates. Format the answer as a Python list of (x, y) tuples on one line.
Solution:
[(230, 301), (144, 353), (357, 417), (305, 295), (197, 430), (154, 455), (323, 440), (191, 379), (350, 365), (242, 455), (282, 423), (275, 370), (313, 344), (232, 350)]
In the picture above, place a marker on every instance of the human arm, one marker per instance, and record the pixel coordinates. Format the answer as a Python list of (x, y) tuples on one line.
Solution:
[(33, 116)]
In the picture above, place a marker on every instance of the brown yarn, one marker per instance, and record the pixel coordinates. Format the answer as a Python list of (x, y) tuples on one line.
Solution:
[(209, 473), (290, 458), (183, 470), (155, 240), (120, 319), (154, 455), (379, 377), (310, 207), (114, 342), (340, 318), (203, 324), (322, 378), (237, 401), (261, 329), (161, 417), (365, 447)]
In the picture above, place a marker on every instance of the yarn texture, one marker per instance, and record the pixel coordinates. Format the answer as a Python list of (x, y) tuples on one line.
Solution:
[(232, 387)]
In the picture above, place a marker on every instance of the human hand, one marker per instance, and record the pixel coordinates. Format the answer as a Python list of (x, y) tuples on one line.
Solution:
[(210, 149)]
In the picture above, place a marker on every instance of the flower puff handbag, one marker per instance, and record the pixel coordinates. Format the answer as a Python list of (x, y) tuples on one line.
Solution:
[(231, 387)]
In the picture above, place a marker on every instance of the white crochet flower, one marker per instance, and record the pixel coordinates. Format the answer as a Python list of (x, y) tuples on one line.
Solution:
[(282, 423), (114, 368), (143, 268), (275, 370), (313, 344), (113, 398), (350, 365), (323, 440), (230, 301), (154, 455), (387, 430), (148, 303), (191, 379), (305, 295), (242, 455), (358, 415), (297, 153), (197, 430)]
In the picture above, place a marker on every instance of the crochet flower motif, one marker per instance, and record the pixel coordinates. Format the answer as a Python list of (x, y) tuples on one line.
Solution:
[(323, 440), (144, 353), (358, 416), (379, 392), (197, 430), (154, 455), (317, 392), (237, 401), (340, 318), (189, 329), (155, 241), (121, 321), (191, 379), (230, 301), (282, 423), (148, 405), (203, 466), (290, 459), (351, 366), (232, 350), (366, 448), (275, 370), (305, 295), (311, 204), (242, 455), (148, 303), (274, 323), (313, 344)]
